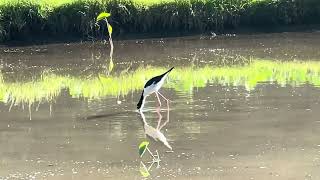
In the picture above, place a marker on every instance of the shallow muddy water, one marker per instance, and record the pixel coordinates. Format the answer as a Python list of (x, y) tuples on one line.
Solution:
[(243, 107)]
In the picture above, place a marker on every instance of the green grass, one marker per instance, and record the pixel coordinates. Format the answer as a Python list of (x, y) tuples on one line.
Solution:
[(181, 80), (32, 19)]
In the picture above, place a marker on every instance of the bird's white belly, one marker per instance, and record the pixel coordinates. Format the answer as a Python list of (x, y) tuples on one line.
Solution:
[(152, 88), (149, 90)]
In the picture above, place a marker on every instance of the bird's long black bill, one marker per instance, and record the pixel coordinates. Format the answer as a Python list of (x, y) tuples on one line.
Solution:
[(169, 70)]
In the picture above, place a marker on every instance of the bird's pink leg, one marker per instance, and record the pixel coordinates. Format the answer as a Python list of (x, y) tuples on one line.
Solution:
[(158, 99), (165, 99)]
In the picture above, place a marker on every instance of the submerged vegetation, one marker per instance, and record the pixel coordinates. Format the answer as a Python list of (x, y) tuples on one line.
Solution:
[(50, 85), (33, 19)]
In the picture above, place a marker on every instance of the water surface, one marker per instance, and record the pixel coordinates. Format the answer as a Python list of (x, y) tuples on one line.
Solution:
[(243, 107)]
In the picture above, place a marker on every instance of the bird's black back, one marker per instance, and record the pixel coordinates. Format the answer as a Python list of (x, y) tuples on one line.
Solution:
[(156, 79)]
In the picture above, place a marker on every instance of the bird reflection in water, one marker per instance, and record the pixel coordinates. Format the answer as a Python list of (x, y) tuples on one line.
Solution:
[(155, 133)]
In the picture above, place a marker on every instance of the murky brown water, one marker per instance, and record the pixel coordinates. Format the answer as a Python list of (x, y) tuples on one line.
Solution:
[(216, 131)]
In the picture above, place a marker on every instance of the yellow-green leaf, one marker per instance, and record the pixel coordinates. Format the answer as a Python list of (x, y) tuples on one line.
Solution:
[(103, 15), (109, 29), (142, 147)]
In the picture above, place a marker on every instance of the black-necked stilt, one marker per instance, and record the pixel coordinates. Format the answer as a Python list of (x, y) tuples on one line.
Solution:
[(153, 86)]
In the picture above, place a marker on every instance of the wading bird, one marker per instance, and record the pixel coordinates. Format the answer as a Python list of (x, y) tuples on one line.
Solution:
[(153, 86)]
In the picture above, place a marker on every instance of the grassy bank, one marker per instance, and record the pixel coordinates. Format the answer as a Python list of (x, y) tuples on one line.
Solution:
[(51, 19)]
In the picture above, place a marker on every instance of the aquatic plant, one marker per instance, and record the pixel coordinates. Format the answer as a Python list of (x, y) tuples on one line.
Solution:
[(20, 20), (144, 171), (103, 16), (143, 147)]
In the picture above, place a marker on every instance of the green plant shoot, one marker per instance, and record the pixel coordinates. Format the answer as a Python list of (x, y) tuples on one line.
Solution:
[(104, 16), (143, 147)]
